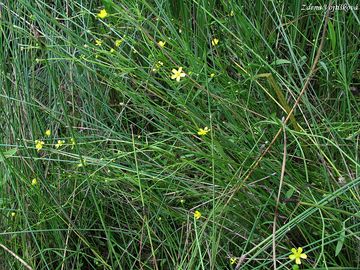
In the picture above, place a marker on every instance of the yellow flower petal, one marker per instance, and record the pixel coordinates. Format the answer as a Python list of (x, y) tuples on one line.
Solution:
[(292, 257), (118, 42), (102, 14), (72, 142), (214, 42), (299, 250), (303, 256), (98, 42), (297, 261), (293, 250), (232, 260), (197, 214), (59, 143), (39, 145), (161, 44), (203, 131)]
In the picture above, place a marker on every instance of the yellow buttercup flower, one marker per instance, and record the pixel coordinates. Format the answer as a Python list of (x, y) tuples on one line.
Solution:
[(161, 44), (118, 42), (203, 131), (39, 145), (112, 50), (214, 42), (232, 260), (297, 255), (34, 182), (48, 132), (98, 42), (178, 74), (212, 75), (102, 14), (59, 143), (13, 214), (197, 214)]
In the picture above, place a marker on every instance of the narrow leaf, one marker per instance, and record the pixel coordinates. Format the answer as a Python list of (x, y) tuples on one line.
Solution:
[(332, 35), (279, 62), (340, 242)]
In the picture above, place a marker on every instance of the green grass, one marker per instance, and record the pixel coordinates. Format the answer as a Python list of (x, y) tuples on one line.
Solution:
[(123, 195)]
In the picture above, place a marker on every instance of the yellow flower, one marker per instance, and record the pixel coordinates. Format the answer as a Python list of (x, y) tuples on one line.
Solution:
[(232, 260), (177, 74), (59, 144), (297, 255), (118, 42), (203, 131), (72, 142), (212, 75), (13, 214), (161, 44), (98, 42), (112, 50), (48, 132), (197, 214), (34, 182), (214, 42), (39, 145), (102, 14), (232, 13), (158, 65)]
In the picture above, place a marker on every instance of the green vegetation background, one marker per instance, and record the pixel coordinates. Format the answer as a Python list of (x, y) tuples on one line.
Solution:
[(123, 195)]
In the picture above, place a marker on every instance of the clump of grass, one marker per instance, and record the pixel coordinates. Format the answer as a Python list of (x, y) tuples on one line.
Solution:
[(145, 170)]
